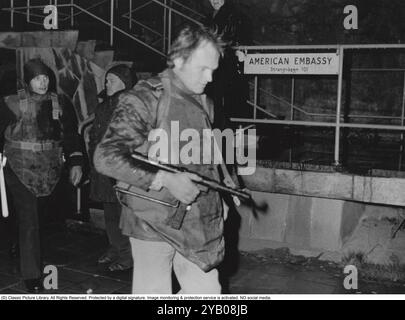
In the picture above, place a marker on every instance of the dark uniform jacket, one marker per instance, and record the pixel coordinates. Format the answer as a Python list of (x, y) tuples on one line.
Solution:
[(36, 131), (200, 238), (229, 90), (101, 186)]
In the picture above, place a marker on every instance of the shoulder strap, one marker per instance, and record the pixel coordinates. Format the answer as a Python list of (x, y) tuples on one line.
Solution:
[(22, 96), (56, 109), (155, 83), (163, 101)]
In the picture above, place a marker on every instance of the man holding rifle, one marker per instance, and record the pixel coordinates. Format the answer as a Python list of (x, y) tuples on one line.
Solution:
[(194, 246)]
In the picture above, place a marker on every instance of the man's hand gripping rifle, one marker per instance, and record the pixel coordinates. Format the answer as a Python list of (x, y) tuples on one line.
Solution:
[(177, 219)]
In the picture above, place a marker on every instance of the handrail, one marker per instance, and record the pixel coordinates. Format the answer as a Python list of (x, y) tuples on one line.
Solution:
[(140, 7), (31, 14), (119, 30), (16, 10), (91, 7), (126, 15), (176, 11), (187, 8), (321, 124), (293, 105), (13, 9), (262, 110), (328, 115), (163, 36), (324, 47)]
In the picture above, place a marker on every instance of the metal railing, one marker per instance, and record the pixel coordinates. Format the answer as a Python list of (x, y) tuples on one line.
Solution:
[(165, 35), (339, 123), (301, 109), (168, 10)]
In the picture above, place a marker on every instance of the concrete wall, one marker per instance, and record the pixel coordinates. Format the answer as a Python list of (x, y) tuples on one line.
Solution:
[(305, 222), (313, 226)]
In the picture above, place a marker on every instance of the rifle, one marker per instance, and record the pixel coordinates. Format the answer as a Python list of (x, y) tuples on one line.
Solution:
[(177, 219)]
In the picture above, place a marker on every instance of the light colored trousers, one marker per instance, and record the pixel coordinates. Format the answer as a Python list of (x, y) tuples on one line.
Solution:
[(153, 264)]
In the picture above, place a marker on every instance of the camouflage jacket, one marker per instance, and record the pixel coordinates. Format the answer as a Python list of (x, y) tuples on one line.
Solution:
[(148, 106), (36, 131)]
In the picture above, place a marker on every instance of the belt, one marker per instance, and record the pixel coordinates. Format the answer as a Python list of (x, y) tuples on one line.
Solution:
[(33, 146)]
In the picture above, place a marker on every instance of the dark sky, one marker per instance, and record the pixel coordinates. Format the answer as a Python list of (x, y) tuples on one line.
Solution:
[(272, 21)]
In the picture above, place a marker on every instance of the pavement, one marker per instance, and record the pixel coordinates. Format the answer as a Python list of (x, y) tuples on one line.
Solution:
[(74, 248)]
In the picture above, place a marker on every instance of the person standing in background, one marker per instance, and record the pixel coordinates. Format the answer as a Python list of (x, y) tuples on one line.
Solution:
[(118, 255), (228, 90)]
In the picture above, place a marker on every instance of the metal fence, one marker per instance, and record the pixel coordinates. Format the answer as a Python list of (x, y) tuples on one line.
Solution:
[(170, 9), (338, 123)]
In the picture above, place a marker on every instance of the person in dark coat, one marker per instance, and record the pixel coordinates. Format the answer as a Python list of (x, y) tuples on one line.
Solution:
[(228, 22), (118, 255), (229, 90), (38, 130)]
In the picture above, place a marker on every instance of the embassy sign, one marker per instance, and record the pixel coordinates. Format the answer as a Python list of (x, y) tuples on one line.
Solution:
[(292, 63)]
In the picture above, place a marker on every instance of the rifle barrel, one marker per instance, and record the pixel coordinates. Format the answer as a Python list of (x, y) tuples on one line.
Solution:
[(205, 181)]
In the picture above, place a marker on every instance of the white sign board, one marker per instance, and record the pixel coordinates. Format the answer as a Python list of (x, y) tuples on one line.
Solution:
[(292, 63)]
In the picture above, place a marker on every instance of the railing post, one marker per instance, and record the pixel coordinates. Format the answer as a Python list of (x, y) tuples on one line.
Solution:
[(72, 13), (112, 23), (164, 25), (130, 14), (255, 97), (292, 110), (12, 14), (339, 106), (28, 10), (292, 97), (401, 148), (169, 36)]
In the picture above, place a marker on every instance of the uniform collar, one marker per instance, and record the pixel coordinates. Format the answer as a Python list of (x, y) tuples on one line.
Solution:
[(176, 82), (198, 100), (38, 97)]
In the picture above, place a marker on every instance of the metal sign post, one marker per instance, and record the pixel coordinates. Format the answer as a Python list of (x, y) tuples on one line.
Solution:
[(339, 107)]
